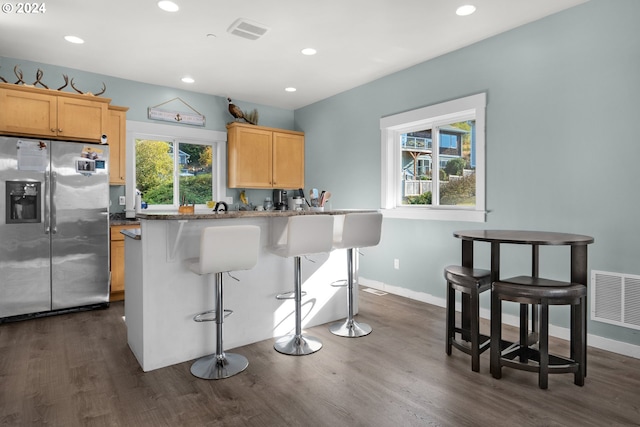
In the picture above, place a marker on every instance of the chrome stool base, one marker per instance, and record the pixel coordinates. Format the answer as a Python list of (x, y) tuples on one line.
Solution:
[(297, 345), (350, 329), (214, 367)]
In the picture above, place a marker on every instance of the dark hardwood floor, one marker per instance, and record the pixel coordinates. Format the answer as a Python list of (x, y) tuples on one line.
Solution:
[(77, 370)]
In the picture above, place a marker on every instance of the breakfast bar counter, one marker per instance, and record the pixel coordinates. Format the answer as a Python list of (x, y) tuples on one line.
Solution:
[(208, 214), (163, 295)]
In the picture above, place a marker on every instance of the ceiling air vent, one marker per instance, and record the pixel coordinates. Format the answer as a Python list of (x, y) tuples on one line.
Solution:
[(248, 29)]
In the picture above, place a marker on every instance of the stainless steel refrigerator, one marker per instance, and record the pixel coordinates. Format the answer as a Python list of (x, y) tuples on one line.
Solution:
[(54, 226)]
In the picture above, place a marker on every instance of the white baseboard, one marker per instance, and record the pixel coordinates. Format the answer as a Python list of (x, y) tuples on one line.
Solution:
[(596, 341)]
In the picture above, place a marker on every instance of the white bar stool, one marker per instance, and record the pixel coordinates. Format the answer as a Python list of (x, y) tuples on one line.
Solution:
[(306, 234), (359, 230), (223, 249)]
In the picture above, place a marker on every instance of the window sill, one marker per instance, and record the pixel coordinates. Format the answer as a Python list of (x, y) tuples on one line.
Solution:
[(434, 214)]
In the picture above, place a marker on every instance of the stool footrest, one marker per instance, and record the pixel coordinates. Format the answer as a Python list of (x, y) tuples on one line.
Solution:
[(557, 364), (289, 295), (342, 283), (200, 316), (465, 346)]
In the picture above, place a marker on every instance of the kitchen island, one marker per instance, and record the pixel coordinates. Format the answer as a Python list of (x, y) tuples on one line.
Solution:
[(163, 295)]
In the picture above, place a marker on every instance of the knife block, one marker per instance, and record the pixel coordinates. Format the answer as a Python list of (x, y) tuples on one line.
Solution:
[(186, 209)]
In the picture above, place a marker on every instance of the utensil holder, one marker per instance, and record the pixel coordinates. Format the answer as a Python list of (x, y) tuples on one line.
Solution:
[(186, 209)]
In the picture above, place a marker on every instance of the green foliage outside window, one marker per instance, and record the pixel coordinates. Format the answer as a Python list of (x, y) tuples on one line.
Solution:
[(153, 166), (459, 192), (455, 166), (155, 175), (195, 189), (453, 192), (422, 199)]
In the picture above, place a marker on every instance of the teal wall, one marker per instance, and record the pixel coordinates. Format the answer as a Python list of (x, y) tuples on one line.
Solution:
[(140, 96), (562, 148)]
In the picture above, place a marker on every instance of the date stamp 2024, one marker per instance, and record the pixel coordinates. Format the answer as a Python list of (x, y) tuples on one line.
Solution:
[(24, 8)]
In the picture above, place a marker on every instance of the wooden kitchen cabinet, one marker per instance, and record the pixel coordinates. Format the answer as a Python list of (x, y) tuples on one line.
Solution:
[(50, 114), (116, 132), (117, 261), (262, 157)]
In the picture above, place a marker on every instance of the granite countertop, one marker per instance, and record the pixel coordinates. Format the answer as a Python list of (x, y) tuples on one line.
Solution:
[(119, 218), (172, 215)]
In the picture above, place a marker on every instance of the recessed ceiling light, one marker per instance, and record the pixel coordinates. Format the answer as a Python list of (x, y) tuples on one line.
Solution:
[(465, 10), (290, 89), (309, 51), (187, 80), (74, 39), (168, 6)]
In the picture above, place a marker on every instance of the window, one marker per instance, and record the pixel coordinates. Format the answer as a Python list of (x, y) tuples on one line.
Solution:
[(447, 136), (160, 164), (172, 165)]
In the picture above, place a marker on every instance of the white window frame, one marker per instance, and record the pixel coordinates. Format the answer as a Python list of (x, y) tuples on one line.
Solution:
[(153, 131), (391, 129)]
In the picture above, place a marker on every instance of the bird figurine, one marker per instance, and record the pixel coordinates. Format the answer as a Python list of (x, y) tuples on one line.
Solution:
[(237, 112)]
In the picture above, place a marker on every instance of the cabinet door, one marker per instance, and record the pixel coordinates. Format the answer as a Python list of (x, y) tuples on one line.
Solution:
[(117, 261), (82, 119), (117, 266), (288, 160), (27, 113), (249, 158), (116, 133)]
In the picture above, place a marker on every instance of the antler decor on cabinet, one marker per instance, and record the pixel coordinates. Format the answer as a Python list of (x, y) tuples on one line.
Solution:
[(39, 74)]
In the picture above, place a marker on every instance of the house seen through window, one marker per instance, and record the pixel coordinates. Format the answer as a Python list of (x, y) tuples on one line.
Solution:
[(452, 181), (433, 161), (170, 172)]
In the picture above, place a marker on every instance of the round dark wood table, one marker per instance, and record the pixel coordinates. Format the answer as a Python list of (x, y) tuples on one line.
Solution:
[(578, 262)]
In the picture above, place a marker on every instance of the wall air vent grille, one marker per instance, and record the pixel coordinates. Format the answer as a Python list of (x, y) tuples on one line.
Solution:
[(615, 298), (248, 29)]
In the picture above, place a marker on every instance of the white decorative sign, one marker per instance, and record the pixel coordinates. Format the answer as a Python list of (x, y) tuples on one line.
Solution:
[(195, 118), (176, 117)]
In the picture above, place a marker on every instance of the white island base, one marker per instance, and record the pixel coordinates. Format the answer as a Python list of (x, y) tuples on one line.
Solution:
[(162, 295)]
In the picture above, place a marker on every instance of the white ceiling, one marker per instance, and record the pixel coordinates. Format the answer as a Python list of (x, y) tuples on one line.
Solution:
[(357, 41)]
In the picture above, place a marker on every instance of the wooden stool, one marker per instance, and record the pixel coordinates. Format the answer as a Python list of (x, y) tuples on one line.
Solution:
[(544, 292), (471, 282)]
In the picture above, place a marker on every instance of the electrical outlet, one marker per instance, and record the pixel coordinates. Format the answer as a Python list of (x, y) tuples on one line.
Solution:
[(396, 264), (122, 201)]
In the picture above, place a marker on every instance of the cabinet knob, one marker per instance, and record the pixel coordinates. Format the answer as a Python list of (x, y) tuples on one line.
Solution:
[(59, 130), (53, 129)]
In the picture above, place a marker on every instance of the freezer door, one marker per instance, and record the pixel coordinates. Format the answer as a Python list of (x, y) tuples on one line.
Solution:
[(24, 246), (79, 224)]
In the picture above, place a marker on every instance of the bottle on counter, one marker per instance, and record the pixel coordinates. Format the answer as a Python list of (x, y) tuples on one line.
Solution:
[(268, 204)]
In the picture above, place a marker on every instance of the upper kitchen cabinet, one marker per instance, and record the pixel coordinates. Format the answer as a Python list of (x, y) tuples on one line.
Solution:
[(44, 113), (262, 157), (116, 132)]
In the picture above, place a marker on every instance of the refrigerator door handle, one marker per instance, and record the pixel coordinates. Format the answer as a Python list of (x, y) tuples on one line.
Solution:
[(54, 223), (47, 207)]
